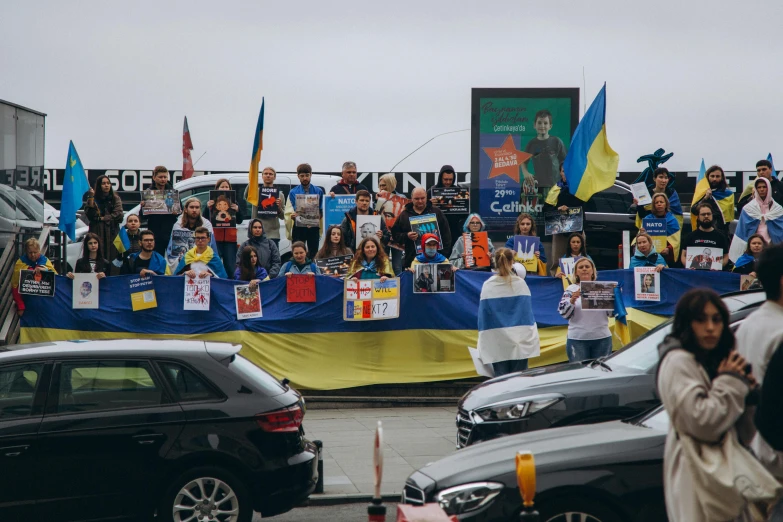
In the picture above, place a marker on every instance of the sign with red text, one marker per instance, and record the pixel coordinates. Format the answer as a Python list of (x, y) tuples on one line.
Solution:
[(371, 299), (300, 288)]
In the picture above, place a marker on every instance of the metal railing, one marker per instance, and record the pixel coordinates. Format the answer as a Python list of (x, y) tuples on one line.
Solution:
[(9, 319)]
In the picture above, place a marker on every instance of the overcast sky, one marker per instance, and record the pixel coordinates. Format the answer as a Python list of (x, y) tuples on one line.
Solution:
[(371, 81)]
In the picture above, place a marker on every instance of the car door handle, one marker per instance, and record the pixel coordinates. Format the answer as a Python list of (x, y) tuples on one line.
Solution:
[(14, 451), (147, 438), (597, 227)]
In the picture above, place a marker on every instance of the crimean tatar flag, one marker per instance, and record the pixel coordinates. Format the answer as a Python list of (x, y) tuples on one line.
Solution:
[(187, 146), (74, 186), (591, 164), (258, 144)]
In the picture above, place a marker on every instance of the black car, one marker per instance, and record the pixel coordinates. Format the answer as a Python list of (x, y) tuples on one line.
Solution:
[(119, 430), (609, 472), (617, 387)]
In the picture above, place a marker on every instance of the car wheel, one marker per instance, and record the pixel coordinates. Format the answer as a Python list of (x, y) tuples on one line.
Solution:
[(206, 494), (576, 509)]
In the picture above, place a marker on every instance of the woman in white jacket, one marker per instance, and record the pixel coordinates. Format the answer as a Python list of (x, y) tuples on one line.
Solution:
[(508, 335)]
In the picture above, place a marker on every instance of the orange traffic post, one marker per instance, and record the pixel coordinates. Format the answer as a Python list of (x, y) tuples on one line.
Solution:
[(526, 480)]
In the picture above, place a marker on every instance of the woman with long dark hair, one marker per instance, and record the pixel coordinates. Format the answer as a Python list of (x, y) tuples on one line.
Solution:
[(248, 268), (225, 238), (91, 261), (746, 264), (104, 212), (334, 245), (705, 387)]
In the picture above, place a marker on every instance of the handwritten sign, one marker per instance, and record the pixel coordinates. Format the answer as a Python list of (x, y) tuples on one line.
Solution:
[(300, 288), (371, 299), (197, 293)]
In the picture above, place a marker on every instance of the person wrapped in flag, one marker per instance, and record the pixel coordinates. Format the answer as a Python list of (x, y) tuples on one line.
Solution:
[(128, 240), (661, 208), (764, 169), (746, 264), (662, 183), (762, 216), (713, 190)]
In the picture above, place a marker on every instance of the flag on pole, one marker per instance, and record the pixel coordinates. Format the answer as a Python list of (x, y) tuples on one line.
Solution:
[(723, 198), (774, 172), (258, 144), (702, 171), (75, 184), (591, 164), (187, 146)]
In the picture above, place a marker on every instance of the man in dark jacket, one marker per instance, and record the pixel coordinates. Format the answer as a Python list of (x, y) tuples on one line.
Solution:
[(362, 208), (160, 224), (348, 184), (268, 254), (763, 170), (447, 178), (404, 235)]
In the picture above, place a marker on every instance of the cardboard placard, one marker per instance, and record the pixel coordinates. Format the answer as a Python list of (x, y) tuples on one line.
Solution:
[(704, 258), (85, 292), (425, 224), (476, 249), (433, 278), (268, 198), (371, 299), (335, 209), (197, 293), (451, 200), (307, 211), (563, 222), (367, 226), (248, 302), (647, 283), (390, 206), (221, 215), (161, 202), (335, 266), (142, 293), (656, 227), (597, 295), (525, 250), (32, 283), (300, 288)]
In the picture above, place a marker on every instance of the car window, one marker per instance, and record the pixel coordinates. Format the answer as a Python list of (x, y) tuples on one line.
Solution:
[(254, 375), (658, 420), (614, 200), (17, 389), (641, 354), (188, 385), (106, 385)]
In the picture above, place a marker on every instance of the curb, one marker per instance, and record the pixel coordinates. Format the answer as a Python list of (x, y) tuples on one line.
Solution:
[(348, 498)]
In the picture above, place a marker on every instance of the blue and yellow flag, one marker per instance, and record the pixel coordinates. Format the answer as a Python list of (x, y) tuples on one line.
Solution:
[(724, 198), (258, 144), (591, 164), (75, 184), (620, 317), (122, 241)]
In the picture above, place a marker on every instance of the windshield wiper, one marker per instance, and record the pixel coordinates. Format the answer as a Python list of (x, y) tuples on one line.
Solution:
[(600, 362)]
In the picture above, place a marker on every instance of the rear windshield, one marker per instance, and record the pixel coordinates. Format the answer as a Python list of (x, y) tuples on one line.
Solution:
[(255, 376)]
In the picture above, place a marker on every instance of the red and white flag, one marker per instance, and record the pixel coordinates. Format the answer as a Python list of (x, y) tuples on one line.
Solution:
[(187, 146)]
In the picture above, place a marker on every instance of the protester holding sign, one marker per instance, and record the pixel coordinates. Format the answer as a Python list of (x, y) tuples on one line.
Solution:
[(661, 210), (746, 264), (91, 262), (716, 193), (201, 261), (429, 252), (473, 224), (248, 268), (300, 263), (447, 178), (147, 262), (182, 233), (268, 255), (588, 330), (334, 246), (310, 235), (30, 260), (645, 254), (371, 261), (706, 235), (403, 233), (663, 183), (526, 226), (762, 216), (225, 237), (160, 224), (577, 249), (389, 204), (362, 208), (104, 212), (270, 214)]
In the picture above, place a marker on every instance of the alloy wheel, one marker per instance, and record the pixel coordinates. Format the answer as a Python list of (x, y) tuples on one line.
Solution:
[(206, 499)]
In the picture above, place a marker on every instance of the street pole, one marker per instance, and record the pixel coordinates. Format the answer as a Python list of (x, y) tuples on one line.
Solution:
[(376, 511)]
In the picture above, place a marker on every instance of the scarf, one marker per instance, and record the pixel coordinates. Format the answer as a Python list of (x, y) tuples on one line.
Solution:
[(41, 261), (745, 259), (299, 267), (191, 256), (369, 266), (438, 258)]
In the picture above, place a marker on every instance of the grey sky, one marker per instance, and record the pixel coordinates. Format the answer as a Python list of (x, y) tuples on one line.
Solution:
[(370, 81)]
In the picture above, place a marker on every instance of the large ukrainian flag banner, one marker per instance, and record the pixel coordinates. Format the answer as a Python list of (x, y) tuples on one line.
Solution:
[(591, 164), (258, 145)]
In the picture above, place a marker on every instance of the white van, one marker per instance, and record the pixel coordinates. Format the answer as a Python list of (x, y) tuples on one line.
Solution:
[(199, 187)]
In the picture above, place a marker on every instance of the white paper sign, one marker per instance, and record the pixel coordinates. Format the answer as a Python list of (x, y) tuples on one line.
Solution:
[(641, 193), (704, 258), (197, 293), (482, 368), (367, 226), (647, 283), (85, 291), (248, 302)]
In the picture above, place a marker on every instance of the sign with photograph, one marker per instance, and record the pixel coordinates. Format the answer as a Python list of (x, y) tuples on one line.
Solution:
[(85, 292), (335, 266), (371, 299), (525, 250), (335, 209), (641, 193), (433, 278), (563, 221), (476, 249), (307, 211), (390, 206), (425, 224), (367, 226), (221, 215), (268, 198), (197, 293), (451, 200), (142, 293), (647, 283), (36, 283), (704, 258), (248, 302), (300, 288), (748, 281), (161, 202), (597, 295)]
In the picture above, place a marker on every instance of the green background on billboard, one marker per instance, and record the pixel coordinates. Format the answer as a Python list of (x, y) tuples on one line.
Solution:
[(527, 108)]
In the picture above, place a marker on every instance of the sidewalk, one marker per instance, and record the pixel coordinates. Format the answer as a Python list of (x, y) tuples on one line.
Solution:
[(412, 437)]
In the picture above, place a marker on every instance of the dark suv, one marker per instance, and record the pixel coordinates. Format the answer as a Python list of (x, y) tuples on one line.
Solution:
[(607, 214), (122, 429)]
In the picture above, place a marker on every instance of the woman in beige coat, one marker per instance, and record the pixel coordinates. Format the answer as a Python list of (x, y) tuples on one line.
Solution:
[(703, 384)]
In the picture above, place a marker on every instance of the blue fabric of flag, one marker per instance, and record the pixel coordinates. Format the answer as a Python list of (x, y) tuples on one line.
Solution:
[(75, 184)]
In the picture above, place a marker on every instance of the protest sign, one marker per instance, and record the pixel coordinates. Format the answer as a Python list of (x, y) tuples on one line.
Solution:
[(142, 293), (181, 241), (268, 198), (641, 193), (85, 292), (390, 206), (335, 209), (367, 226), (747, 282), (647, 283), (248, 302), (36, 283), (656, 227), (433, 278), (704, 258), (476, 249), (161, 202), (307, 211), (221, 215), (300, 288), (563, 221), (566, 265), (335, 266), (451, 200), (525, 250), (197, 293), (425, 224), (371, 299), (597, 295)]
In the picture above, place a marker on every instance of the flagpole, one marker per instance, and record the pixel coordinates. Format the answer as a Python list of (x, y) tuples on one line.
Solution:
[(423, 144)]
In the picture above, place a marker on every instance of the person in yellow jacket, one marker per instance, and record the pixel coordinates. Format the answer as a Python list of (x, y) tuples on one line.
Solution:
[(371, 261), (32, 259)]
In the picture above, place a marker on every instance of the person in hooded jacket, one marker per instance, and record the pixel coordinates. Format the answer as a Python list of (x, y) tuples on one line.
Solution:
[(300, 263), (429, 253), (645, 254), (762, 216), (372, 260), (104, 211), (473, 224), (447, 178), (32, 259), (404, 235), (747, 262), (268, 254), (159, 224)]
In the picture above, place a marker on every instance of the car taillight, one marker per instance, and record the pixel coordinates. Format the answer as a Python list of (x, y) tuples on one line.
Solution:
[(286, 420)]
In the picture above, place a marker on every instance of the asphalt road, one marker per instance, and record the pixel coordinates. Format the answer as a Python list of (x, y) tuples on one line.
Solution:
[(341, 513)]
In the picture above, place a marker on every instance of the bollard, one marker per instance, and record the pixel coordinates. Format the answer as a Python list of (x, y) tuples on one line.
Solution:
[(526, 480), (376, 511), (319, 486)]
